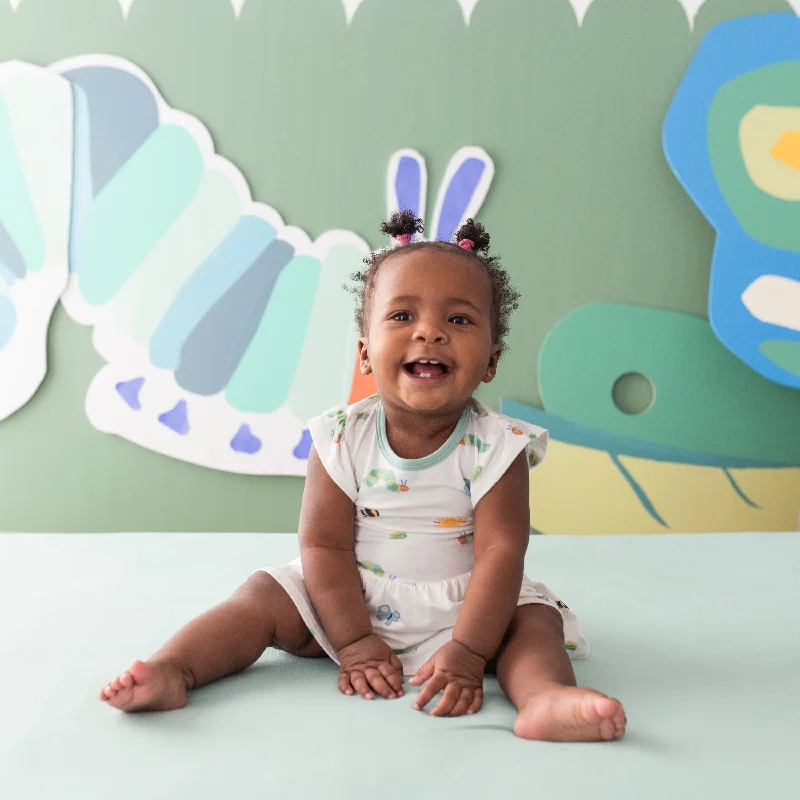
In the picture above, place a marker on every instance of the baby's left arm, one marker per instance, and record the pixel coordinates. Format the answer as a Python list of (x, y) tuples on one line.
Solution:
[(502, 532), (501, 539)]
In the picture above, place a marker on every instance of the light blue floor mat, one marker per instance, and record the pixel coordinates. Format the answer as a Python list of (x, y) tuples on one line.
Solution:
[(697, 635)]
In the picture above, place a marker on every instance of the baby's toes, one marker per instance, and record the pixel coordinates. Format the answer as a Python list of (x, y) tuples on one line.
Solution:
[(611, 718), (126, 680), (620, 721), (119, 698), (108, 692), (608, 730), (121, 682)]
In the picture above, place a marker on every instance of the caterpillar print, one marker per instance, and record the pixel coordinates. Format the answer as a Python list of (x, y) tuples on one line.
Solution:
[(471, 440), (376, 476), (338, 431)]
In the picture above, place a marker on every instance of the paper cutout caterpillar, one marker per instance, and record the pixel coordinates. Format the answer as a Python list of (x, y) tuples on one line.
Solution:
[(224, 328)]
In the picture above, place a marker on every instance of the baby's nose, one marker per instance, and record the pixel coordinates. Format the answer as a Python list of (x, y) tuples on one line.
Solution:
[(429, 333)]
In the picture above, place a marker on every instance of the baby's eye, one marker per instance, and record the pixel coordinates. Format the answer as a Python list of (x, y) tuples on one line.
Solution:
[(460, 319), (401, 316)]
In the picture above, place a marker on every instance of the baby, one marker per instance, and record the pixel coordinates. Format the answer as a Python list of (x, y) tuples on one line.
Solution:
[(414, 523)]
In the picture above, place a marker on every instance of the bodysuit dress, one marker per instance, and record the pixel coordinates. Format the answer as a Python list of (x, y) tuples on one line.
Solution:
[(414, 523)]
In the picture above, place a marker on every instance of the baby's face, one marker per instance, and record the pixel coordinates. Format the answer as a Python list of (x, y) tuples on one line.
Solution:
[(429, 305)]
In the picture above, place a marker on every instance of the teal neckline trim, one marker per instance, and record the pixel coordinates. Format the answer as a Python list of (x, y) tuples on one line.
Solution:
[(416, 464)]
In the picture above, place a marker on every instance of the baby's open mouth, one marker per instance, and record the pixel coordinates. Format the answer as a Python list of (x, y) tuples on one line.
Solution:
[(425, 368)]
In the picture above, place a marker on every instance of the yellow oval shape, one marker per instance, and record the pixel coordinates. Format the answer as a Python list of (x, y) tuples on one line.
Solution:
[(769, 138)]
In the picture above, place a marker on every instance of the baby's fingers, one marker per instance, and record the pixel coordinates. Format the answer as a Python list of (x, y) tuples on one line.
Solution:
[(477, 702), (345, 687), (430, 690), (393, 677), (359, 681), (464, 701), (423, 674), (379, 684), (451, 696)]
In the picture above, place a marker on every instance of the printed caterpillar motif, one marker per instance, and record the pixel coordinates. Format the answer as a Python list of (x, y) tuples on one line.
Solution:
[(341, 422), (375, 476), (371, 566), (471, 440), (533, 458)]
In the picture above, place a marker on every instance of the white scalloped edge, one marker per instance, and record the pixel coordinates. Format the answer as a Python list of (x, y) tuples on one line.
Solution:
[(580, 7)]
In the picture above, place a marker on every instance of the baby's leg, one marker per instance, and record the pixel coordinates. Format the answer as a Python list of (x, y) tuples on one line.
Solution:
[(227, 638), (534, 670)]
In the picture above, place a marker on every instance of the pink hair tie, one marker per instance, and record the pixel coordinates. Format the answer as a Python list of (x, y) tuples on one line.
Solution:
[(466, 244), (403, 238)]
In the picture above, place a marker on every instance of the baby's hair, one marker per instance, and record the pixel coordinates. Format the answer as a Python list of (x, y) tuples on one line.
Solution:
[(471, 240)]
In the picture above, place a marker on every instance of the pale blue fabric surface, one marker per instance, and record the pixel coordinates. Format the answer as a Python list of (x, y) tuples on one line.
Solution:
[(698, 635)]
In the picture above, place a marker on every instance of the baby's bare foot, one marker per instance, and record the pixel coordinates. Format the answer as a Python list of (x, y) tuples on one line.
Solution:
[(153, 686), (571, 714)]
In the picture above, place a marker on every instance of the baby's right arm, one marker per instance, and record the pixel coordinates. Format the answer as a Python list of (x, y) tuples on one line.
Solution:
[(327, 536), (327, 540)]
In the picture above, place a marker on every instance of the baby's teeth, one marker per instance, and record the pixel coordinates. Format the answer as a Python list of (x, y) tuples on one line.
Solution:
[(423, 361), (425, 374), (433, 362)]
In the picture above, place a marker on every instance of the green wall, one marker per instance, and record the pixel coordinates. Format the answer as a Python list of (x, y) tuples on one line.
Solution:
[(583, 207)]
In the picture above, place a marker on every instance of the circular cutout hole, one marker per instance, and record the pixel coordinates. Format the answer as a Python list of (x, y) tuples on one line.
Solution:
[(633, 393)]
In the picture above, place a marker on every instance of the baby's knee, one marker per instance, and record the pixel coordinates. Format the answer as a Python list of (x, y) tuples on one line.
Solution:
[(260, 588), (269, 600), (537, 616)]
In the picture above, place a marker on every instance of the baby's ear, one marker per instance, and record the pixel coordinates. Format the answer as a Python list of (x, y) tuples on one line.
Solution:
[(363, 356), (491, 369)]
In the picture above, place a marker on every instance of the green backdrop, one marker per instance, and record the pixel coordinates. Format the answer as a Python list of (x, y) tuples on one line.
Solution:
[(583, 207)]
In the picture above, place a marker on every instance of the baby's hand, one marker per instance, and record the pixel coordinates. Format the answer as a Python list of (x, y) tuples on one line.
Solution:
[(458, 671), (370, 665)]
